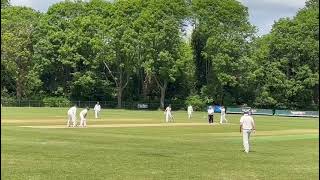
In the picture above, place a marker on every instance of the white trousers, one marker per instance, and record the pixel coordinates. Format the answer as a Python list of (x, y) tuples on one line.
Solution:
[(168, 115), (245, 137), (96, 113), (223, 118), (189, 115), (71, 118), (83, 122)]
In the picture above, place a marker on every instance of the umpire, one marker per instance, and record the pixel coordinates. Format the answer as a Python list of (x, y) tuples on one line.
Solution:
[(210, 114)]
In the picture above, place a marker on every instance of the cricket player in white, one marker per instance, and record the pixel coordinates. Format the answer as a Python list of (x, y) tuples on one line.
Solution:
[(190, 110), (83, 115), (97, 109), (72, 116), (223, 115), (246, 127), (210, 114), (168, 113)]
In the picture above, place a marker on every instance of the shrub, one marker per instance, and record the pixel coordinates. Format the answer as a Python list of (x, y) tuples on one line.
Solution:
[(196, 102), (56, 102), (6, 98)]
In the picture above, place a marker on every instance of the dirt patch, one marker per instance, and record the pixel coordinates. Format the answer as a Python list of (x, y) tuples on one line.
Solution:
[(132, 125), (14, 121)]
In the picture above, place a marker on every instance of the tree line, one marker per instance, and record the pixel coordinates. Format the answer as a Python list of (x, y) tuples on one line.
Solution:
[(138, 50)]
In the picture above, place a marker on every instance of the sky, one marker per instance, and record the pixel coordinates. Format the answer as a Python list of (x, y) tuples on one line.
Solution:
[(262, 13)]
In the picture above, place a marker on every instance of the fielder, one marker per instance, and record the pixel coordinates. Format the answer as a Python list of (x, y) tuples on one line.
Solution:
[(168, 113), (190, 110), (72, 116), (223, 115), (97, 109), (246, 127), (83, 115)]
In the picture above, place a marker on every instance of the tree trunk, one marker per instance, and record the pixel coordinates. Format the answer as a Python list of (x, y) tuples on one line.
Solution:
[(316, 95), (120, 83), (222, 98), (119, 97), (19, 90), (119, 93), (19, 87), (163, 93), (145, 87)]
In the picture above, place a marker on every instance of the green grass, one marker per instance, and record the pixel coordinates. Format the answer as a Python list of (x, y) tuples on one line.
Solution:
[(282, 148)]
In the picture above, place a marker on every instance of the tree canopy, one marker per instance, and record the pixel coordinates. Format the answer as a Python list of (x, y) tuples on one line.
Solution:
[(136, 50)]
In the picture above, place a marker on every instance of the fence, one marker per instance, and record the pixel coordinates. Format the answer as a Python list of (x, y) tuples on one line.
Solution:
[(82, 104), (233, 110), (271, 112), (153, 106), (294, 113)]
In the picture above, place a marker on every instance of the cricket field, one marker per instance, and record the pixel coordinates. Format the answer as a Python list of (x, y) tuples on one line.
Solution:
[(138, 145)]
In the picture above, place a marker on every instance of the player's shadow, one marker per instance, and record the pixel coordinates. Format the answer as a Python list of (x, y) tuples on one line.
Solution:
[(249, 151)]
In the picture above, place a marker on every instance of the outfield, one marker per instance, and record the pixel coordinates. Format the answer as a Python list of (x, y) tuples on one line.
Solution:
[(130, 145)]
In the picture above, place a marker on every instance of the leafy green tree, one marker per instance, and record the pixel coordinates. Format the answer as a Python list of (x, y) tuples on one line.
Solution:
[(185, 82), (118, 51), (288, 60), (67, 47), (18, 67), (57, 47), (221, 42), (134, 49), (161, 38), (5, 3)]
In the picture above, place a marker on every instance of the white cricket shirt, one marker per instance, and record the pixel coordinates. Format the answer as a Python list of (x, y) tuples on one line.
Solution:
[(97, 107), (210, 111), (223, 111), (84, 112), (246, 121), (72, 110), (168, 109)]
